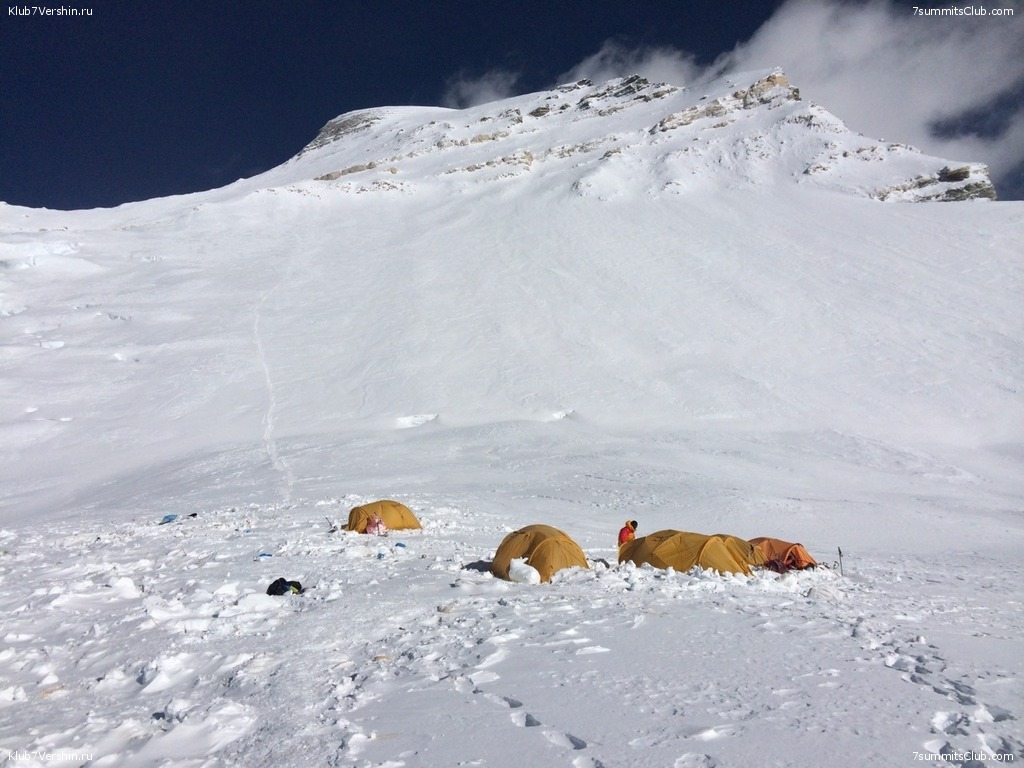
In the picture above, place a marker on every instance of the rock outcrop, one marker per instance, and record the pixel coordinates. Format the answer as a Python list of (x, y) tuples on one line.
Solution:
[(630, 135)]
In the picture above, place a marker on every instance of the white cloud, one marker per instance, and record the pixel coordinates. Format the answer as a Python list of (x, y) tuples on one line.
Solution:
[(612, 60), (883, 70), (891, 74), (665, 65), (465, 91)]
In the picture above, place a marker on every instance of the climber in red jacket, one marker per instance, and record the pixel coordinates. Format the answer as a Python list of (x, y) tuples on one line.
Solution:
[(628, 532)]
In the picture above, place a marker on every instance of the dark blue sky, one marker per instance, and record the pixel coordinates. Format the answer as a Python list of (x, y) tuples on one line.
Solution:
[(142, 100)]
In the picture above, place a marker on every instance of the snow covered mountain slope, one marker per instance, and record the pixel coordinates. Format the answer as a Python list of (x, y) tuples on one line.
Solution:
[(627, 137), (152, 334), (603, 302)]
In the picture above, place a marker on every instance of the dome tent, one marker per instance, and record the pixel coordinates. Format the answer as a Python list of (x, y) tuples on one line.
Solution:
[(545, 548), (396, 516), (682, 550), (744, 548), (789, 555)]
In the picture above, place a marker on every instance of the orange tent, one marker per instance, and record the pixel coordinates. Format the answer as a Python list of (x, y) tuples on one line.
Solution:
[(788, 554), (545, 548)]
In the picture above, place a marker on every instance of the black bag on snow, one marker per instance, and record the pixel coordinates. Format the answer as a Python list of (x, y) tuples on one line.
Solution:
[(283, 587)]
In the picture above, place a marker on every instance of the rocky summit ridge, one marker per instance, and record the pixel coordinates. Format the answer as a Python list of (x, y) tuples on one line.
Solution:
[(630, 136)]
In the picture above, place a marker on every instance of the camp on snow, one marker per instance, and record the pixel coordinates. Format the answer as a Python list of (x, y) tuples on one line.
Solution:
[(783, 555), (396, 516), (682, 551), (545, 548)]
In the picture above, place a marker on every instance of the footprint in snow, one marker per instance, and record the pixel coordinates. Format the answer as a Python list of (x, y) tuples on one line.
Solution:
[(525, 720), (463, 684), (481, 678), (713, 733), (505, 701), (694, 760), (184, 669), (949, 723), (961, 693), (566, 740), (494, 658), (408, 422)]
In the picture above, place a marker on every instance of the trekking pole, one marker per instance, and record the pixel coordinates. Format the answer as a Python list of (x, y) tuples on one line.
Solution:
[(840, 561)]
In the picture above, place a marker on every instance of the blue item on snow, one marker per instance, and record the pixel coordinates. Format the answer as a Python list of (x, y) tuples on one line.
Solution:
[(168, 519)]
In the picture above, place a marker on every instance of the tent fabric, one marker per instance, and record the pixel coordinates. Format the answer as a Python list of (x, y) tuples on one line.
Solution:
[(743, 548), (545, 548), (683, 550), (789, 554), (396, 516)]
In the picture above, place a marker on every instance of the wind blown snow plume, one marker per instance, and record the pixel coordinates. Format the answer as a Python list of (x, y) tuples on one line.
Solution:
[(465, 91), (949, 85), (893, 73)]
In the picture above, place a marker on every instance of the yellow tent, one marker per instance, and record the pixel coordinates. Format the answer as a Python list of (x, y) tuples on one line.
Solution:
[(743, 548), (789, 555), (395, 516), (545, 548), (682, 551)]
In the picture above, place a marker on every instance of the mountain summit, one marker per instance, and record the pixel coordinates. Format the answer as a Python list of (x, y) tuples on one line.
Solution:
[(630, 136)]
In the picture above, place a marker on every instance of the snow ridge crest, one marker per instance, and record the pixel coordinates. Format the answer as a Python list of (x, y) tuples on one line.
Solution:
[(631, 136)]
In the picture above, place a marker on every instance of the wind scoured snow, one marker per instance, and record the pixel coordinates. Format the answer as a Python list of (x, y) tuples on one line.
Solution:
[(689, 340)]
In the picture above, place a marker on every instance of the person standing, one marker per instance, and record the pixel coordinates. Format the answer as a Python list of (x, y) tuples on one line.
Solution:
[(628, 532)]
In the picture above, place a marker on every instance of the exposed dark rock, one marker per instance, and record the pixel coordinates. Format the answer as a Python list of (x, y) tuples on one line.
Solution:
[(984, 190), (342, 126), (949, 187), (955, 174), (346, 171)]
